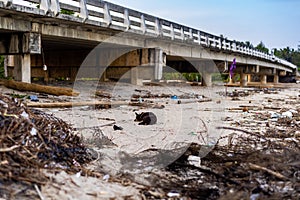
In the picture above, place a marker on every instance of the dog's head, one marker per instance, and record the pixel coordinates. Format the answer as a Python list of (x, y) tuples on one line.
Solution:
[(138, 117)]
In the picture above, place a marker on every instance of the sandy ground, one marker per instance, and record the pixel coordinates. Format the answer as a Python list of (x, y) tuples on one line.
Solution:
[(178, 126)]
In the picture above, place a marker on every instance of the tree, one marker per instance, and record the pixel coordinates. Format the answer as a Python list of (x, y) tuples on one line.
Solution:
[(248, 44), (261, 46), (289, 54)]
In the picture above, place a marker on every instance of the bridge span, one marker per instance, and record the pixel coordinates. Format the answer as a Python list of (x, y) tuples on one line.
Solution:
[(59, 38)]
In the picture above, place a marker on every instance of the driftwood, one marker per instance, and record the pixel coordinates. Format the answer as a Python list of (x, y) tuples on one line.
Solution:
[(75, 104), (106, 104), (21, 86), (103, 94), (276, 174)]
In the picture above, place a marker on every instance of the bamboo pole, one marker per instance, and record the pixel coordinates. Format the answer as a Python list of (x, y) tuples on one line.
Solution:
[(21, 86)]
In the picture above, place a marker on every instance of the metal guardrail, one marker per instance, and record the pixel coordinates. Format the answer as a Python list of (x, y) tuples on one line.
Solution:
[(106, 14)]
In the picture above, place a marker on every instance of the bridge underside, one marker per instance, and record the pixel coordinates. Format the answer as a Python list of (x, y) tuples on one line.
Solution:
[(64, 58), (52, 50)]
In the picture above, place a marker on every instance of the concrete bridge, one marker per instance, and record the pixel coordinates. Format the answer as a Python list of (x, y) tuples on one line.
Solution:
[(94, 38)]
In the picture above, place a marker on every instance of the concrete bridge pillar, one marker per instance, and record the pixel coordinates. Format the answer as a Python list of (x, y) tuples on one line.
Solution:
[(157, 60), (263, 79), (244, 80), (282, 73), (276, 79), (230, 80), (134, 76), (149, 65), (22, 68), (249, 77), (206, 79)]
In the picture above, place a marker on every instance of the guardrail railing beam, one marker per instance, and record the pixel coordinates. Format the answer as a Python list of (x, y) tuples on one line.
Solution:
[(110, 13)]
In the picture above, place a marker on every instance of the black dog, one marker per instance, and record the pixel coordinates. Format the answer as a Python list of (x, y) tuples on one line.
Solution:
[(145, 118)]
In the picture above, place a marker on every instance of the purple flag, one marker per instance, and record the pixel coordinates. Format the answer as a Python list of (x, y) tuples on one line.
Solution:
[(232, 68)]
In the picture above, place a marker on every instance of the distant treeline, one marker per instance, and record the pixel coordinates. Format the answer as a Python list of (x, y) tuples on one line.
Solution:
[(286, 53)]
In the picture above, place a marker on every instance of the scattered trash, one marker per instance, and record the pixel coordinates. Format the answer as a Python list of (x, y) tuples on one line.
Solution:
[(117, 127), (29, 133), (274, 115), (174, 97), (287, 114), (33, 98), (194, 160), (140, 99), (173, 194), (106, 177)]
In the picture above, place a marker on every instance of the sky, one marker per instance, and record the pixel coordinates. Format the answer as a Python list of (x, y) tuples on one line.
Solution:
[(276, 23)]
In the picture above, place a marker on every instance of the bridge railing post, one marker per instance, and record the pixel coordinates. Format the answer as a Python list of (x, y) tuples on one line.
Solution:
[(107, 17), (199, 37), (172, 33), (84, 14), (157, 27), (182, 36), (8, 2), (143, 24), (126, 20), (45, 5)]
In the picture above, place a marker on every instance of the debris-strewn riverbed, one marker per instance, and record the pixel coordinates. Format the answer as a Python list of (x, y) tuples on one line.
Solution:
[(208, 143)]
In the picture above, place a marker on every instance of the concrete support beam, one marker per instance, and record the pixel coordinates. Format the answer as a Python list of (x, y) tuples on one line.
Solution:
[(263, 79), (282, 73), (266, 71), (134, 76), (206, 79), (257, 69), (230, 80), (244, 80), (22, 68), (157, 60), (276, 79), (20, 43), (5, 66), (249, 78)]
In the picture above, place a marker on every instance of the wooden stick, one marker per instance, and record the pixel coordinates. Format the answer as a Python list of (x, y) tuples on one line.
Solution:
[(89, 103), (276, 174), (75, 104), (9, 148), (21, 86), (241, 130), (39, 192), (95, 127)]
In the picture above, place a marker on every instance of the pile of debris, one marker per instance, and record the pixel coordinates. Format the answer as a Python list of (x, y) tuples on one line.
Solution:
[(251, 166), (31, 140), (260, 159)]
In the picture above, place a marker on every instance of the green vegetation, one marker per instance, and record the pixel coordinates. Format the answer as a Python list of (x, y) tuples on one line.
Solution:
[(194, 77), (182, 76), (63, 11), (67, 12), (289, 54), (2, 74), (217, 77)]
